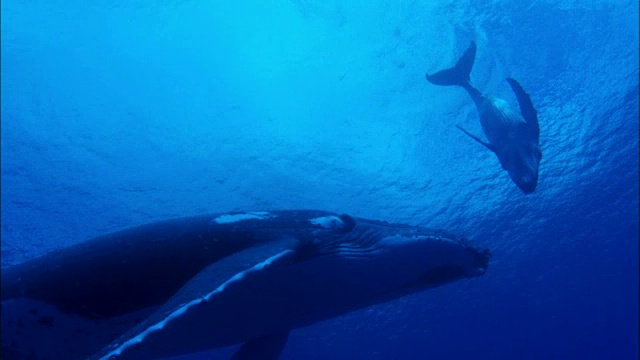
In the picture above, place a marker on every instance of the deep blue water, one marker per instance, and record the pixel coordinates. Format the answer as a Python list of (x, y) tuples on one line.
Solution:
[(118, 113)]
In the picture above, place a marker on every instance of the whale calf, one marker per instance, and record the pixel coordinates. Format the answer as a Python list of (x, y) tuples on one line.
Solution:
[(513, 137), (193, 284)]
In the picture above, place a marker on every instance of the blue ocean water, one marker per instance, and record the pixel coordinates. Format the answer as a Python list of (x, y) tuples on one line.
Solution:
[(117, 113)]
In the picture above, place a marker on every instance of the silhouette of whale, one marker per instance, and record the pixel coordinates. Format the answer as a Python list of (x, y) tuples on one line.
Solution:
[(197, 283), (513, 137)]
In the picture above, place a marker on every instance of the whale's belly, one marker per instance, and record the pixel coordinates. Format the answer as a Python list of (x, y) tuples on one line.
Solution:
[(499, 121)]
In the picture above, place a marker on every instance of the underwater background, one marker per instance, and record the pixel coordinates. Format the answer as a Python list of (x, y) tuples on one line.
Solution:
[(119, 113)]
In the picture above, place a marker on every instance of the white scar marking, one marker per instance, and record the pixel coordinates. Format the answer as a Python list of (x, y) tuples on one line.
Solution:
[(231, 218), (183, 309), (328, 222)]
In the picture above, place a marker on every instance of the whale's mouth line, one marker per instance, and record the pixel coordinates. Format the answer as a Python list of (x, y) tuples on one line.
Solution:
[(387, 295)]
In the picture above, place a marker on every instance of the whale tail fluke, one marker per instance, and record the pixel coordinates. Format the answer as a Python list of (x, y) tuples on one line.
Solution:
[(460, 73)]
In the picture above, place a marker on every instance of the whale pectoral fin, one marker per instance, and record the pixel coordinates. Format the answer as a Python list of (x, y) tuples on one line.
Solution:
[(185, 323), (486, 144), (264, 348), (527, 110)]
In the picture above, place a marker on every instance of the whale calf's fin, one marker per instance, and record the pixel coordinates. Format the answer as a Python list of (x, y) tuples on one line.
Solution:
[(264, 348), (527, 110), (486, 144), (459, 74)]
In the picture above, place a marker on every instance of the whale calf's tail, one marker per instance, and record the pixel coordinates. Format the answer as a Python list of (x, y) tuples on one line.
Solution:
[(460, 73)]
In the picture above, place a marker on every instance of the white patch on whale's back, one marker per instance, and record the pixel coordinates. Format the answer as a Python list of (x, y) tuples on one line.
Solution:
[(328, 222), (231, 218)]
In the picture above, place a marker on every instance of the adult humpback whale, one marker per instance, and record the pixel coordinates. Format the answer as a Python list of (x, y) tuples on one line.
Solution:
[(192, 284), (513, 138)]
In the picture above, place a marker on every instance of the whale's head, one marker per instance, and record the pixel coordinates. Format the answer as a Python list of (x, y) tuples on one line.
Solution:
[(523, 167), (385, 258), (415, 256), (522, 160), (444, 257)]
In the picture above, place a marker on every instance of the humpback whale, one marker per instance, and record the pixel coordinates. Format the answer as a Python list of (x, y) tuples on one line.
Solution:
[(513, 137), (193, 284)]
